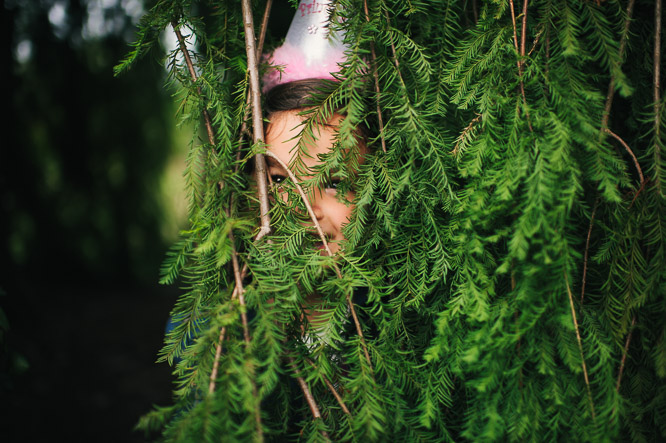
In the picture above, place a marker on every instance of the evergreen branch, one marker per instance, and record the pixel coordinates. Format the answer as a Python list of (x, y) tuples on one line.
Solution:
[(631, 153), (656, 92), (334, 391), (218, 354), (193, 76), (624, 354), (308, 206), (322, 237), (465, 134), (611, 84), (521, 52), (309, 398), (587, 250), (375, 75), (396, 62), (580, 344)]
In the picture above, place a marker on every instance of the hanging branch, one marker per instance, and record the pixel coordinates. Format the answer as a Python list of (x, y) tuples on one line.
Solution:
[(624, 354), (587, 250), (604, 129), (464, 135), (322, 237), (523, 34), (333, 390), (248, 98), (375, 75), (631, 153), (656, 92), (309, 398), (580, 345), (521, 51), (193, 76), (611, 84)]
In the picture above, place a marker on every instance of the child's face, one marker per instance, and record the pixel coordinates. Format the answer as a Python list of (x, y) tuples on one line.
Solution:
[(282, 138)]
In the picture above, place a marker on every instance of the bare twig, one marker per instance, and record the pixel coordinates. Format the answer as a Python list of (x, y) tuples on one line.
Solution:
[(521, 51), (248, 99), (587, 249), (312, 403), (656, 90), (333, 390), (393, 51), (515, 31), (580, 345), (216, 362), (523, 33), (193, 76), (631, 153), (624, 354), (257, 120), (264, 27), (463, 135)]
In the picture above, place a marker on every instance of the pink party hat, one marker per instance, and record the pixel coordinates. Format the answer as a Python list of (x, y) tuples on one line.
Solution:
[(310, 49)]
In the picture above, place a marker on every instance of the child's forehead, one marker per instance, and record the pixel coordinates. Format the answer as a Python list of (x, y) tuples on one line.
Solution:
[(293, 119)]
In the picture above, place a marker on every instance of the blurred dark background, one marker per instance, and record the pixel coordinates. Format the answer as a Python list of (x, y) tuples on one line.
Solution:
[(91, 197)]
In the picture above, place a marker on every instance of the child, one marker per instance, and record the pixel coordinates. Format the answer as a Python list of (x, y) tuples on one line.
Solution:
[(286, 105)]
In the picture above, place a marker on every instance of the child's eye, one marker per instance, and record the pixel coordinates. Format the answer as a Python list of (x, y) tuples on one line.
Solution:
[(277, 178), (333, 183)]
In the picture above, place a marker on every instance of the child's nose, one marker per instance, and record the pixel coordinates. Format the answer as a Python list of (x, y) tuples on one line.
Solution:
[(315, 202)]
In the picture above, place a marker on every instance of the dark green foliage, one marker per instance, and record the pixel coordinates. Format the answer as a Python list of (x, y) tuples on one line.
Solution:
[(506, 255)]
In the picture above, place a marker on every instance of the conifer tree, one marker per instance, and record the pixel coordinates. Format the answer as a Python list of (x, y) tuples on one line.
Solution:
[(505, 271)]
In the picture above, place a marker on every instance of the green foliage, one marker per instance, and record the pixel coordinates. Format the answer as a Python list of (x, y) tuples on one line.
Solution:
[(506, 253)]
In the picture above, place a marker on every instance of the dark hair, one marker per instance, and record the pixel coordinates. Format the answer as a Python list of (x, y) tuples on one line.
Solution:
[(295, 95), (301, 94)]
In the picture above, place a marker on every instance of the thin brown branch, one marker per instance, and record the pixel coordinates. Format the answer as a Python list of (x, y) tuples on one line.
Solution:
[(535, 42), (523, 33), (373, 61), (333, 390), (656, 91), (264, 27), (237, 293), (322, 237), (239, 287), (580, 345), (193, 76), (393, 51), (309, 398), (624, 354), (631, 153), (515, 30), (587, 250), (216, 362), (464, 134), (248, 99), (520, 50), (257, 120), (611, 84)]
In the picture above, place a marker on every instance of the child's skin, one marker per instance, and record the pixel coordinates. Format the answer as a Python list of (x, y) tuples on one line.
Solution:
[(282, 138)]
